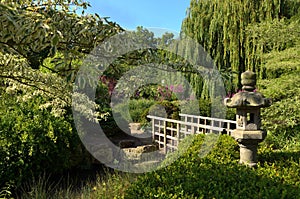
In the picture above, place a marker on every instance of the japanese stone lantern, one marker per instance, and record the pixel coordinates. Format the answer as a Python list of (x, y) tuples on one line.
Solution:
[(248, 104)]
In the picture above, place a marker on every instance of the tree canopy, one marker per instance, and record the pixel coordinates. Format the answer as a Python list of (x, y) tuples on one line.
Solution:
[(41, 43), (222, 27)]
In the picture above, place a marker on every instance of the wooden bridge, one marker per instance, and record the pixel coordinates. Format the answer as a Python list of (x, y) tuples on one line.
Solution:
[(167, 133)]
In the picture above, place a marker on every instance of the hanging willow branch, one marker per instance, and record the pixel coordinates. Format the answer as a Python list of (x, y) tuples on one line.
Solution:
[(220, 27)]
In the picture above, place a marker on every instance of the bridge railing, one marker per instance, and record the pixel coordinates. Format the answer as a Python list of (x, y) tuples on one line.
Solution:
[(167, 133), (211, 125)]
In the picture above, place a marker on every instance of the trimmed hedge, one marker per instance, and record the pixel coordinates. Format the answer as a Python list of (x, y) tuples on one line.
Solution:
[(218, 175)]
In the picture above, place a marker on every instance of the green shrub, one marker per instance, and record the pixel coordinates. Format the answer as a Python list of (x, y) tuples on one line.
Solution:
[(167, 109), (282, 118), (32, 140), (281, 165), (281, 63), (109, 126), (196, 107), (287, 86), (218, 175), (138, 107), (231, 113), (203, 107), (133, 111), (171, 108)]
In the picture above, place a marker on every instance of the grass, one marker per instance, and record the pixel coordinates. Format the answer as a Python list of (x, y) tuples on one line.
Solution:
[(110, 185), (217, 175)]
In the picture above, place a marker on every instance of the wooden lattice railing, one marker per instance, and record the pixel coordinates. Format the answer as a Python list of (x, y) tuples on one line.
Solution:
[(167, 133)]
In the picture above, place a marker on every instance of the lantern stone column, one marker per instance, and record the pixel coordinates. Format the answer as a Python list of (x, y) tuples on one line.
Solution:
[(248, 132)]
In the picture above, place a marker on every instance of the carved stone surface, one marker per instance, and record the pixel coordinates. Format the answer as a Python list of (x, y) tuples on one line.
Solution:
[(240, 122), (251, 126), (248, 104), (248, 154), (247, 99), (248, 80), (241, 135)]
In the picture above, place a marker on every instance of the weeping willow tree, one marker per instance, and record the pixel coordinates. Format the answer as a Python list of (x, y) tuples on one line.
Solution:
[(220, 27)]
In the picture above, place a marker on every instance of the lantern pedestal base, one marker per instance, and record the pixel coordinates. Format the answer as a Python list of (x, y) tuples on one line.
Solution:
[(248, 142)]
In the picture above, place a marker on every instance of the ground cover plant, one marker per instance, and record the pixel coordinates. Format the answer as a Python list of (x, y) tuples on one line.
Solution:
[(218, 175)]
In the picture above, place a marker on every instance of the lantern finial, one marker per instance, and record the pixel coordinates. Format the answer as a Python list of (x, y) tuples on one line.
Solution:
[(248, 80)]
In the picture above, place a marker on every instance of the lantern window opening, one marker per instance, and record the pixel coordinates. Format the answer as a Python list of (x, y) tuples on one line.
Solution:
[(250, 118)]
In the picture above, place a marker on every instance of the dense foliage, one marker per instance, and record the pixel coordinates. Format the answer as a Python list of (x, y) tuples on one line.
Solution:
[(229, 31), (262, 36), (34, 34), (282, 119), (34, 141), (41, 43), (218, 175)]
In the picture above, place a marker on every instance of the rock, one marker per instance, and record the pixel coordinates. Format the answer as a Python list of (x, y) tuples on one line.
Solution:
[(136, 153), (147, 148), (134, 126)]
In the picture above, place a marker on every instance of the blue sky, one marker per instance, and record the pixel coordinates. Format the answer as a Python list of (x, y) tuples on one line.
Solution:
[(129, 14)]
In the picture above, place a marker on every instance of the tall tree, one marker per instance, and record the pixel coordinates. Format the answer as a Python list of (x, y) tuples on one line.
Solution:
[(220, 26), (31, 32)]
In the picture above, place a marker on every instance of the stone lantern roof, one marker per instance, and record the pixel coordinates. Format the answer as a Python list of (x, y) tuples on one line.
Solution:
[(248, 97), (248, 103)]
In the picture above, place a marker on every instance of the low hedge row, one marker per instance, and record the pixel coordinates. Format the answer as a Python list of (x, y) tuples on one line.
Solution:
[(218, 174)]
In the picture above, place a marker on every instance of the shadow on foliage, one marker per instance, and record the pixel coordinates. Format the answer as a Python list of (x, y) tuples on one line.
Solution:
[(282, 157), (73, 180), (218, 175), (211, 180)]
